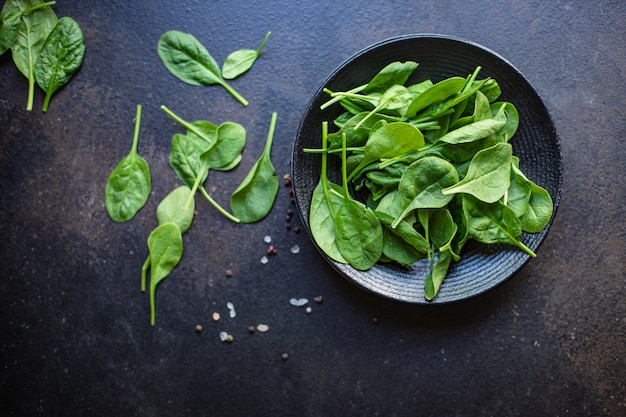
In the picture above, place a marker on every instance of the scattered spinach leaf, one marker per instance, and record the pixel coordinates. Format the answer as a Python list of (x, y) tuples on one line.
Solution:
[(255, 196), (240, 61), (166, 250), (60, 57), (10, 20), (128, 186), (32, 33)]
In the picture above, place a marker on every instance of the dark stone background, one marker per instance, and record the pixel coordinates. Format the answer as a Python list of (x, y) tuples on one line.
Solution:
[(75, 338)]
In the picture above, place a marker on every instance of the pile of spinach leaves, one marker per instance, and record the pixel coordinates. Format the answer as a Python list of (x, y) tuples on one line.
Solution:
[(432, 167), (45, 49)]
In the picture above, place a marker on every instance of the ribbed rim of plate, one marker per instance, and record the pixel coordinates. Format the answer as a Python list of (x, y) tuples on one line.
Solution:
[(482, 267)]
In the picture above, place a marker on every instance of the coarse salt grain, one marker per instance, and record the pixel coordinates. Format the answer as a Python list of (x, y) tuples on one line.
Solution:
[(295, 249), (231, 310), (223, 336), (267, 239), (298, 302), (264, 260)]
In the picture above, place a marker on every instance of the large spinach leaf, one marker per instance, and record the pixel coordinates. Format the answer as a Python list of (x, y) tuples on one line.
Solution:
[(60, 57)]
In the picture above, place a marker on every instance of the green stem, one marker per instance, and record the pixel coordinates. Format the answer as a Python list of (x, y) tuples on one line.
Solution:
[(258, 51), (344, 169), (31, 83), (196, 184), (235, 93), (270, 134), (137, 127), (336, 99), (186, 124), (218, 207), (144, 273)]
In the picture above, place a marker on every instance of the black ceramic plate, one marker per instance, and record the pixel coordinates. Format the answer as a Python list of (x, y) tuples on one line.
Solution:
[(482, 267)]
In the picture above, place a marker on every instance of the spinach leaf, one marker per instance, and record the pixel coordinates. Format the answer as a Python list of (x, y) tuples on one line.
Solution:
[(493, 223), (392, 139), (539, 205), (475, 131), (255, 196), (436, 93), (358, 232), (60, 57), (226, 152), (166, 250), (32, 33), (189, 61), (185, 158), (128, 186), (10, 19), (434, 279), (488, 176), (171, 209), (325, 202), (240, 61), (395, 73), (422, 183)]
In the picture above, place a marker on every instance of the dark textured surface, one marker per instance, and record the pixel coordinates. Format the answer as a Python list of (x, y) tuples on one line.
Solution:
[(536, 144), (74, 328)]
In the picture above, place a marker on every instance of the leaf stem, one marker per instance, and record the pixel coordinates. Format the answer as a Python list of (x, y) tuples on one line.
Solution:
[(144, 273), (258, 51), (270, 134), (218, 207), (336, 99), (137, 128), (185, 124), (235, 94)]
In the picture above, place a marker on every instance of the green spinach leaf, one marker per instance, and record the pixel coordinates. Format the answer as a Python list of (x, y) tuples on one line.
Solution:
[(255, 196), (422, 184), (129, 185), (240, 61), (10, 20), (60, 57), (32, 33), (166, 250), (172, 209), (358, 232), (488, 176), (325, 202)]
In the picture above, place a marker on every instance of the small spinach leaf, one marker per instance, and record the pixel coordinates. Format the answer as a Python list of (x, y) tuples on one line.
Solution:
[(166, 250), (493, 223), (128, 186), (255, 196), (171, 209), (488, 176), (422, 183), (241, 61)]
